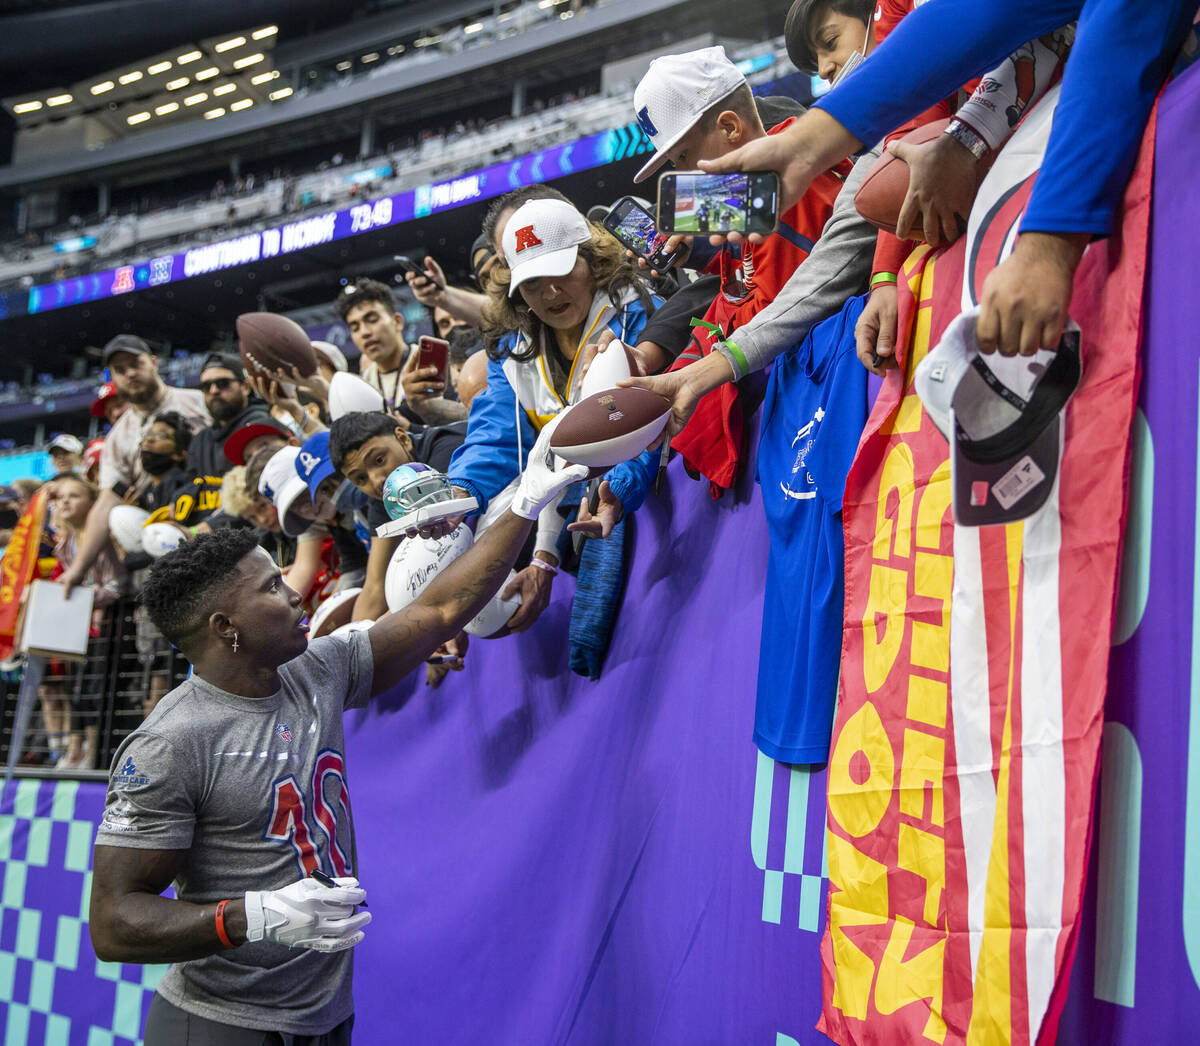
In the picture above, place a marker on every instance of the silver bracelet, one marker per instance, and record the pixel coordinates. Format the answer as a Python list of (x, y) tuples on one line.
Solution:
[(968, 138)]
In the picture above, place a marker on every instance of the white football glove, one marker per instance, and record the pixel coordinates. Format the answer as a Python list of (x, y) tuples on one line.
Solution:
[(308, 914), (545, 477)]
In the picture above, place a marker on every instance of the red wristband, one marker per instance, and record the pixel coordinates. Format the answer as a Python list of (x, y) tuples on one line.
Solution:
[(222, 933)]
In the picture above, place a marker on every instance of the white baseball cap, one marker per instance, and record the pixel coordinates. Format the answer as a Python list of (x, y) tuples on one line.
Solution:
[(65, 441), (675, 92), (542, 238), (1003, 419), (281, 483), (332, 354)]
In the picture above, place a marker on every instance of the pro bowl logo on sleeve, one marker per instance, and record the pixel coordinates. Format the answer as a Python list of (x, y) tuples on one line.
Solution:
[(119, 817)]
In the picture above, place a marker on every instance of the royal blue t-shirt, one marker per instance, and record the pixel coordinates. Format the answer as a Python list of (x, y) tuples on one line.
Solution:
[(813, 414)]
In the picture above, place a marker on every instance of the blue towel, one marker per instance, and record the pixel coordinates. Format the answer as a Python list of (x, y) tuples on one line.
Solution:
[(598, 590)]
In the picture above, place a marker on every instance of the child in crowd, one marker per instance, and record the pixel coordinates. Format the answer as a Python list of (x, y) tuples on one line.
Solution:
[(366, 448), (73, 748)]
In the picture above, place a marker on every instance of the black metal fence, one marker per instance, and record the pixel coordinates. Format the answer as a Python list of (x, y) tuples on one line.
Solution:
[(127, 668)]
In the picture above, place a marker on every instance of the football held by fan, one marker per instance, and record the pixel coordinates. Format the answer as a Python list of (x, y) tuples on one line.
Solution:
[(563, 282)]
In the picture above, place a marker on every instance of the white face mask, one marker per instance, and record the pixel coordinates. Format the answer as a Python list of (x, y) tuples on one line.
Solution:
[(853, 62)]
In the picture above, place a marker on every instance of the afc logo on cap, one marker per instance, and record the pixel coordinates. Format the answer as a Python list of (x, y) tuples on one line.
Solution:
[(526, 237), (645, 123)]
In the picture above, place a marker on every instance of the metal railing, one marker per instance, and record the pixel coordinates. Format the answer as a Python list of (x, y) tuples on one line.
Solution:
[(127, 668)]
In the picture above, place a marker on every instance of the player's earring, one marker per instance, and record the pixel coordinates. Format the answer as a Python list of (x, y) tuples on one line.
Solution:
[(235, 638)]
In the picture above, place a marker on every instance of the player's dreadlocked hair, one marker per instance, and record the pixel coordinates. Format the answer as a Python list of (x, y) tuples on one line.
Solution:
[(179, 591)]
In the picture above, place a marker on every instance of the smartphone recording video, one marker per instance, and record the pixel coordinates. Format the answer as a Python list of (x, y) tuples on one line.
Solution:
[(698, 204), (634, 226)]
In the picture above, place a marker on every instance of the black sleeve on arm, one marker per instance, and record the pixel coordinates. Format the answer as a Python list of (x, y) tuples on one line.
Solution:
[(671, 324), (444, 440)]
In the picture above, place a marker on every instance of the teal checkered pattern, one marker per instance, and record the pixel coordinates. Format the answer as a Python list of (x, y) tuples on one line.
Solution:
[(53, 990), (787, 841)]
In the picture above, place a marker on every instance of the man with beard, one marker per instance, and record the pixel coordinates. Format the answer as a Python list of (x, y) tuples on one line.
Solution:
[(134, 370), (232, 405)]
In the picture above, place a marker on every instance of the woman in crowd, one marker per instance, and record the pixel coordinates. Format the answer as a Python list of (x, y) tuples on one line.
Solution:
[(561, 282)]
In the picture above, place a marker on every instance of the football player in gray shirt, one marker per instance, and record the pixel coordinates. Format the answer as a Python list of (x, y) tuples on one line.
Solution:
[(234, 788)]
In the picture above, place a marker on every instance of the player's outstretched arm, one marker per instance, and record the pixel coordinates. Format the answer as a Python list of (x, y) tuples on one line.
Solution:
[(131, 922), (401, 641)]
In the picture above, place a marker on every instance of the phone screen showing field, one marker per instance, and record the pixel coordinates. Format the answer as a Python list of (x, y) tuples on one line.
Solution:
[(707, 203), (639, 233)]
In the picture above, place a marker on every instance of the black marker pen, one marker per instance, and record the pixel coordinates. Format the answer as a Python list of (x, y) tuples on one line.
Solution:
[(324, 880)]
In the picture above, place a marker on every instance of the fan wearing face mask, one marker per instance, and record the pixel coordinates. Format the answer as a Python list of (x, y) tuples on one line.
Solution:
[(168, 487)]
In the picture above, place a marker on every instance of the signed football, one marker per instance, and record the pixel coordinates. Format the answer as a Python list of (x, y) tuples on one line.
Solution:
[(610, 427)]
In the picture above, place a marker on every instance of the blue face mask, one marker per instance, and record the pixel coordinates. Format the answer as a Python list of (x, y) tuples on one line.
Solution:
[(853, 62)]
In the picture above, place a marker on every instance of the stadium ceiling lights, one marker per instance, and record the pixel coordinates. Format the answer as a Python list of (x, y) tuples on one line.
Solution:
[(396, 49), (428, 41), (264, 32), (190, 56), (223, 89), (212, 114), (60, 99), (175, 85), (207, 74), (27, 107), (158, 67), (367, 59), (250, 59), (263, 78), (100, 88), (283, 92), (341, 67), (229, 45), (130, 77), (165, 110), (238, 106), (196, 99), (474, 27), (137, 118)]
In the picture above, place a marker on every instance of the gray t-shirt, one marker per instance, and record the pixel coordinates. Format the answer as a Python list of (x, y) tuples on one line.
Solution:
[(255, 790)]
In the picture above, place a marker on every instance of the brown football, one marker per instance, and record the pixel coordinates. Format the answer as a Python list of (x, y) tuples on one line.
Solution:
[(609, 427), (882, 192), (273, 342)]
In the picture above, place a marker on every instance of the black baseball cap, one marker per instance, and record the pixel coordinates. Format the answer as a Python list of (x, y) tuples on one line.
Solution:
[(226, 360), (126, 343), (1004, 421)]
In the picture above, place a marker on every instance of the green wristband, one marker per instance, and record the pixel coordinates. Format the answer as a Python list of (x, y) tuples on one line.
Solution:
[(881, 278)]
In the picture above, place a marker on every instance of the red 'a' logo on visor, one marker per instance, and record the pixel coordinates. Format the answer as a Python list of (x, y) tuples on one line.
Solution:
[(526, 237)]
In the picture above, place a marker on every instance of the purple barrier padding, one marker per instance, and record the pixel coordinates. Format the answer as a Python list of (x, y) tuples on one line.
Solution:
[(554, 860), (1152, 690)]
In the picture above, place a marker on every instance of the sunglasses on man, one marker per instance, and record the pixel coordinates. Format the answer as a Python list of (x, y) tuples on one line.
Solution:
[(221, 384)]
